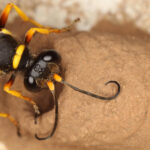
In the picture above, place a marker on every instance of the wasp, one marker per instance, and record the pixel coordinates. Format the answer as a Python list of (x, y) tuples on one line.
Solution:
[(39, 71)]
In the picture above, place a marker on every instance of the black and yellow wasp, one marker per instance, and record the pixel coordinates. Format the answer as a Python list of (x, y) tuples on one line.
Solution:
[(39, 72)]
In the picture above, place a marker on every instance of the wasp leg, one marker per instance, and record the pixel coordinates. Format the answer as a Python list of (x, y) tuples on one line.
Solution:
[(24, 17), (5, 115), (31, 32), (52, 89), (7, 87)]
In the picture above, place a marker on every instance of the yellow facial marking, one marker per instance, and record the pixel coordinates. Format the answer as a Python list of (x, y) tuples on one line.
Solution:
[(18, 55), (51, 85), (57, 78), (5, 31)]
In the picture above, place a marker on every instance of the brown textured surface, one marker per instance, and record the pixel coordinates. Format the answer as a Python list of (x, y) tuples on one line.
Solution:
[(89, 60)]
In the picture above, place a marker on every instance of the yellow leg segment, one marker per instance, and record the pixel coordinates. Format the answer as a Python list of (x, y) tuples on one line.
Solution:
[(5, 115), (42, 29), (30, 33), (7, 87), (24, 17)]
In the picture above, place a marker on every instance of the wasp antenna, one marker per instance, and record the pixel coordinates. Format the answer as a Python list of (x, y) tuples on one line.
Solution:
[(52, 89), (59, 79), (68, 28)]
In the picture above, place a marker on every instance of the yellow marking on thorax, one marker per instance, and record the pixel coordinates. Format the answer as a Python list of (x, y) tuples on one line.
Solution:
[(5, 31), (18, 56)]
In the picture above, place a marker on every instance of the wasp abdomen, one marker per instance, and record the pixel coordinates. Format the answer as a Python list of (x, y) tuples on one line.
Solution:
[(7, 50)]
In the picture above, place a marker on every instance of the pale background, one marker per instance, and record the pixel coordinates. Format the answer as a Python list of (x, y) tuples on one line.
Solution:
[(58, 13)]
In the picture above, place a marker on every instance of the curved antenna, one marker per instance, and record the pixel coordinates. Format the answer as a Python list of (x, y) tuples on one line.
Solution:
[(59, 79), (52, 89)]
